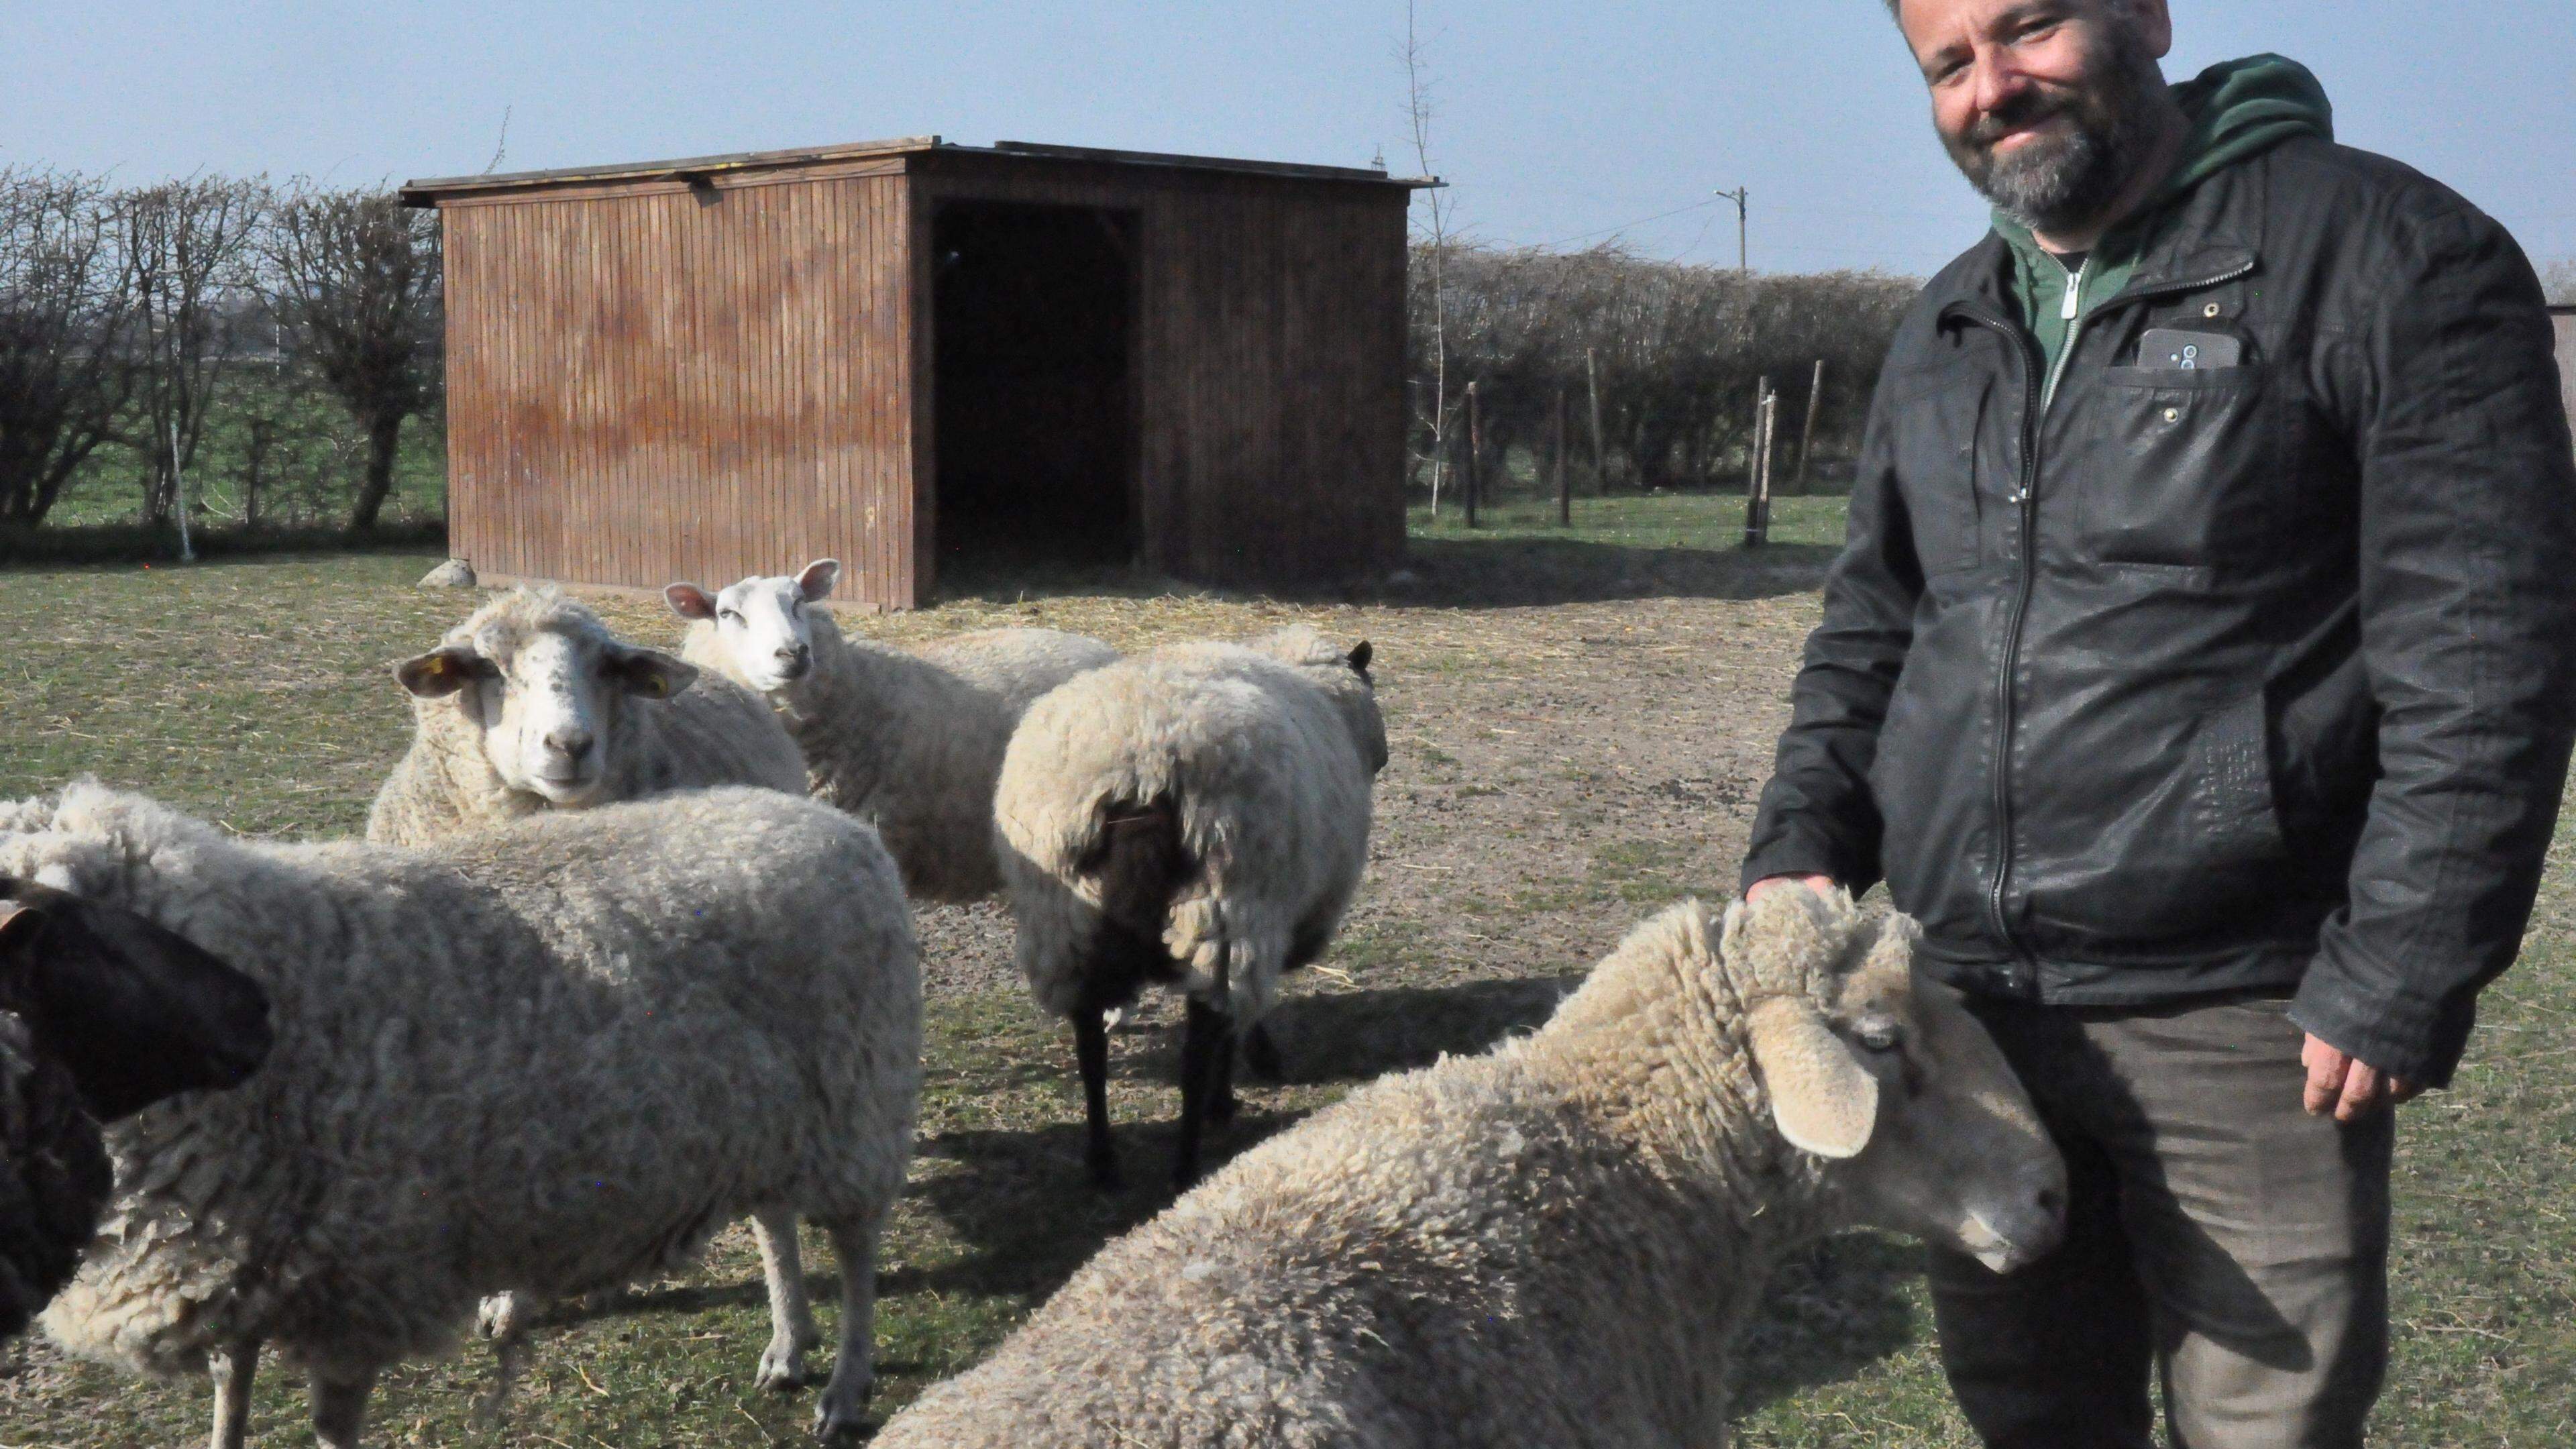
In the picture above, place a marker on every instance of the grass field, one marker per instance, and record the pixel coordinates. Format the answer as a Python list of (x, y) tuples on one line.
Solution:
[(1579, 724)]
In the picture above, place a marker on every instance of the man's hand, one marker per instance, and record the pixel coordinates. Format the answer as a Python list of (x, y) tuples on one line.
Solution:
[(2347, 1086), (1769, 883)]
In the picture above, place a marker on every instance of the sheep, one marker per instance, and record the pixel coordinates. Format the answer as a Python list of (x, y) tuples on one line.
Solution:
[(84, 1039), (908, 740), (532, 704), (552, 1056), (1194, 816), (1554, 1243)]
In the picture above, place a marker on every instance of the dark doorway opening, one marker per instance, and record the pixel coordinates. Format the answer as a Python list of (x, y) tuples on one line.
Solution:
[(1031, 315)]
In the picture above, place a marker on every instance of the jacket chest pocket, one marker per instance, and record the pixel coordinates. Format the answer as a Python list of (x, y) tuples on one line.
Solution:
[(1937, 469), (2181, 467)]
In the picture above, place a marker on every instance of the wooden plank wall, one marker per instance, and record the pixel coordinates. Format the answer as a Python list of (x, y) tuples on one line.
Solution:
[(1269, 358), (647, 383)]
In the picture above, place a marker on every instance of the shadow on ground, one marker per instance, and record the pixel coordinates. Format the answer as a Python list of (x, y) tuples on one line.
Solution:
[(1829, 1313), (1468, 573)]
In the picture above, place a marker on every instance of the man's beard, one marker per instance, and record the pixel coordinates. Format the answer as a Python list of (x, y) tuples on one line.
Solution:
[(2056, 182)]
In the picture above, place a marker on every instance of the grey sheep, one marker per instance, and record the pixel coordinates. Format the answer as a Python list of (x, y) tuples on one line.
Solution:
[(1552, 1245), (555, 1056), (533, 704), (908, 740), (1195, 816)]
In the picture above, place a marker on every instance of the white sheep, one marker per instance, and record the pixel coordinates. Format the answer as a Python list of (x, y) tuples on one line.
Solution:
[(1552, 1245), (909, 740), (533, 704), (553, 1056), (90, 1035), (1194, 816)]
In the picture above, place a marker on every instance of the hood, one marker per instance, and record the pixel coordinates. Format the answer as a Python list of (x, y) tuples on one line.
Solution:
[(2240, 108)]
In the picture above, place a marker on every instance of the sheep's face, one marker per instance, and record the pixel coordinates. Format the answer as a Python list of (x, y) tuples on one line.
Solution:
[(762, 624), (550, 701), (1953, 1151)]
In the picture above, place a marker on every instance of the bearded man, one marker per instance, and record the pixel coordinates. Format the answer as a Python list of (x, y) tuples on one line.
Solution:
[(2198, 672)]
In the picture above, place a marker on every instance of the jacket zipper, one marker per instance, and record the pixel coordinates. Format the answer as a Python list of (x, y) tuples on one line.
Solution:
[(2037, 397)]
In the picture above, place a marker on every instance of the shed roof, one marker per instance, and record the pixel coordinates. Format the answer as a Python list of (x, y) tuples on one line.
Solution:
[(428, 191)]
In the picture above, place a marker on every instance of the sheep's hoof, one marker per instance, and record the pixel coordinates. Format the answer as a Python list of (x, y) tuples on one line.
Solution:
[(497, 1316), (782, 1370), (841, 1416)]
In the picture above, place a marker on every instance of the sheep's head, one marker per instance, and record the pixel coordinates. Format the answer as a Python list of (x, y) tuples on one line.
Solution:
[(1344, 675), (762, 624), (549, 687), (1883, 1073), (133, 1011)]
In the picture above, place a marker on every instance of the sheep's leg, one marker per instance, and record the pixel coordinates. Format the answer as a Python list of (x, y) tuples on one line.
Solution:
[(1205, 1044), (1091, 1055), (840, 1411), (791, 1315), (1260, 1053), (340, 1407), (233, 1369), (505, 1316)]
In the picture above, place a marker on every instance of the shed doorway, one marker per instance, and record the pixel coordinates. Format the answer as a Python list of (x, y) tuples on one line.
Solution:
[(1034, 402)]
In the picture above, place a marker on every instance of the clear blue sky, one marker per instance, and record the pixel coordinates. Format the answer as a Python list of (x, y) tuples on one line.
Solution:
[(1556, 121)]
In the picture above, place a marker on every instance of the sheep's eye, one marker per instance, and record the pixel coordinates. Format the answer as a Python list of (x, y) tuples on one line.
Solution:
[(795, 608), (728, 616)]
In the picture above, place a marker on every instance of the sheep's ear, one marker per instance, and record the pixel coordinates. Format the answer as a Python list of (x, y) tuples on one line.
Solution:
[(689, 601), (1360, 656), (1823, 1099), (651, 673), (442, 672), (814, 585)]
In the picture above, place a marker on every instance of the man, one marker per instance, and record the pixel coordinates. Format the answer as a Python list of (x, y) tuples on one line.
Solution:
[(2198, 672)]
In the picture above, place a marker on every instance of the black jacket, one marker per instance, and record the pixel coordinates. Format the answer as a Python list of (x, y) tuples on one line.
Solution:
[(2197, 682)]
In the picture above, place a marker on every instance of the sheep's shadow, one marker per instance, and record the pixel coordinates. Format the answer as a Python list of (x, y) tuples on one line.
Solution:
[(1500, 572), (1341, 1036), (1830, 1311)]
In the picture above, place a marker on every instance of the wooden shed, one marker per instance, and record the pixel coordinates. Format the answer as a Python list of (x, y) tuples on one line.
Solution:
[(2565, 317), (912, 355)]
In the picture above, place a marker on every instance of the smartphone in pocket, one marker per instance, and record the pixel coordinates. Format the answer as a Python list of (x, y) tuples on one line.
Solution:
[(2172, 349)]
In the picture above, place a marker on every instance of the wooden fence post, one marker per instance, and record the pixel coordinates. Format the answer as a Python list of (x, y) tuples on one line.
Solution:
[(1564, 493), (1757, 478), (1592, 379), (1475, 455), (1807, 438)]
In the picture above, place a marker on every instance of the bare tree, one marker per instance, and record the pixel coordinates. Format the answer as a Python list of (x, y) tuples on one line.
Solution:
[(67, 305), (2559, 278), (188, 242), (354, 282), (1418, 112)]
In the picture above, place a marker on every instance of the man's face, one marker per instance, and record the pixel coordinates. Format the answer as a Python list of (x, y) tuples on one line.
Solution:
[(2048, 106)]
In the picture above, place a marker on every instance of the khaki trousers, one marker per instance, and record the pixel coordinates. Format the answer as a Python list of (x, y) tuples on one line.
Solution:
[(2219, 1239)]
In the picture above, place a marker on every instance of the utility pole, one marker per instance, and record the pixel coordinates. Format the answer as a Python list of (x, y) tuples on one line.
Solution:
[(1738, 196)]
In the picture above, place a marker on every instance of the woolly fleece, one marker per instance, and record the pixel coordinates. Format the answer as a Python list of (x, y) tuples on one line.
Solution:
[(1552, 1244), (556, 1055), (912, 741), (1270, 750)]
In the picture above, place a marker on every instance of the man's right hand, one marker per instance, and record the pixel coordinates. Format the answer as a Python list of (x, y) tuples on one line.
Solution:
[(1820, 884)]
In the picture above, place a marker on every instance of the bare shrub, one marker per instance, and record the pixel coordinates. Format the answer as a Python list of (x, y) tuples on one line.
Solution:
[(67, 306)]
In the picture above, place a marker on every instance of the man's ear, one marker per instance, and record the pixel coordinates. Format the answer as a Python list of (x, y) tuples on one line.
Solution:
[(689, 601), (1360, 656), (814, 585), (650, 673), (442, 672)]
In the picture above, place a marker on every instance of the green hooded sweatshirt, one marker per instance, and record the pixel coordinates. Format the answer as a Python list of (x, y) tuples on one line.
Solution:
[(2237, 109)]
